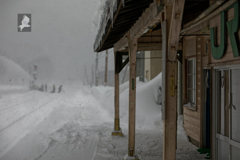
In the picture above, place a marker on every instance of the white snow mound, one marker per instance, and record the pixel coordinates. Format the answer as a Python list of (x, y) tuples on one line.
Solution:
[(11, 73), (148, 112)]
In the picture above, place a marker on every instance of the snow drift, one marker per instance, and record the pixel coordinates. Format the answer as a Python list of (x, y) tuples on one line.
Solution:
[(12, 74), (148, 112)]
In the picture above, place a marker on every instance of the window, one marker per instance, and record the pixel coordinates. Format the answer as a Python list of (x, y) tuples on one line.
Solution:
[(227, 102), (191, 82)]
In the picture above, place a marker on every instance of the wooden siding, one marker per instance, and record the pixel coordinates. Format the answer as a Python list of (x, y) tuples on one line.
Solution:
[(190, 46), (192, 124), (194, 46), (192, 127), (199, 84), (206, 50)]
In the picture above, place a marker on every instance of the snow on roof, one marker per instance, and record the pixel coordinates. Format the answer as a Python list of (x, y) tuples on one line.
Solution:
[(104, 13)]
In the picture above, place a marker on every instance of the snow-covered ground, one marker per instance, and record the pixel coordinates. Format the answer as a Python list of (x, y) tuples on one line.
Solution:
[(77, 124)]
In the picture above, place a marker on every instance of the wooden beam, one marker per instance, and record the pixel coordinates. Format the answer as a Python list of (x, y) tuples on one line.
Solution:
[(121, 44), (175, 28), (149, 46), (151, 37), (149, 18), (117, 130), (152, 47), (173, 19), (168, 2), (164, 62), (170, 122), (116, 101), (132, 95)]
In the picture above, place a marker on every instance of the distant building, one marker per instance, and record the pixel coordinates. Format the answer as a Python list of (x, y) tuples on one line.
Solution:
[(153, 64)]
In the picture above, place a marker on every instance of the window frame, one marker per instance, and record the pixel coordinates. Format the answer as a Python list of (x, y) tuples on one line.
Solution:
[(191, 105)]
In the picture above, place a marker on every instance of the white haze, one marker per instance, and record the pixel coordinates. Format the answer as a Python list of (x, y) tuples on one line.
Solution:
[(61, 40)]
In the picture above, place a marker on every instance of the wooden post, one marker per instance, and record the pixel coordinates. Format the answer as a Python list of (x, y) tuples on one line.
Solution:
[(96, 70), (173, 18), (169, 121), (106, 67), (132, 49), (117, 130)]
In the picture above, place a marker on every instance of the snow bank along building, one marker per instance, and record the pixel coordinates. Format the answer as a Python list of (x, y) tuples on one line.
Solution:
[(199, 41)]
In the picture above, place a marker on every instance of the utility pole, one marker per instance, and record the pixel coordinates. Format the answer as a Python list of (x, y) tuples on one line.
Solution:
[(106, 67), (96, 70), (30, 71), (86, 74), (141, 64), (92, 79)]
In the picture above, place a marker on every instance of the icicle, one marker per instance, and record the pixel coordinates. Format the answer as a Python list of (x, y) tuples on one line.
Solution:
[(109, 9), (114, 8)]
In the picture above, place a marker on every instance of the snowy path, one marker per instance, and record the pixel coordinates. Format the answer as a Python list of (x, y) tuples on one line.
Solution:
[(73, 126), (19, 114)]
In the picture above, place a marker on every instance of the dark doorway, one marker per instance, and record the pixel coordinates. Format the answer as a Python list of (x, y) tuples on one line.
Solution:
[(206, 109)]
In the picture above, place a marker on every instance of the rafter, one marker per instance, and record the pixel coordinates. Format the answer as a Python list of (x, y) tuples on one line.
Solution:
[(149, 18), (175, 28)]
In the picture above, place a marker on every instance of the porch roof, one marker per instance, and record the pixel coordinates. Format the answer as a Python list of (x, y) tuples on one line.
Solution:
[(128, 12)]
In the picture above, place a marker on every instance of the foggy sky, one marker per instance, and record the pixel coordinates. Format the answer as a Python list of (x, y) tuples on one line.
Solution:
[(61, 40)]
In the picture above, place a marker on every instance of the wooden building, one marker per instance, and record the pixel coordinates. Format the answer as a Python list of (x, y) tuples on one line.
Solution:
[(153, 64), (206, 34), (210, 70)]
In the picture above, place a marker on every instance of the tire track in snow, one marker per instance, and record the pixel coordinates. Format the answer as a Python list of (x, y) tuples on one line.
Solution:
[(19, 119), (10, 116), (70, 137), (11, 134), (6, 100), (16, 104), (50, 144)]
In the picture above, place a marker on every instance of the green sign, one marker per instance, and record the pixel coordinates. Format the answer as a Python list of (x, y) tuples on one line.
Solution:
[(232, 28)]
